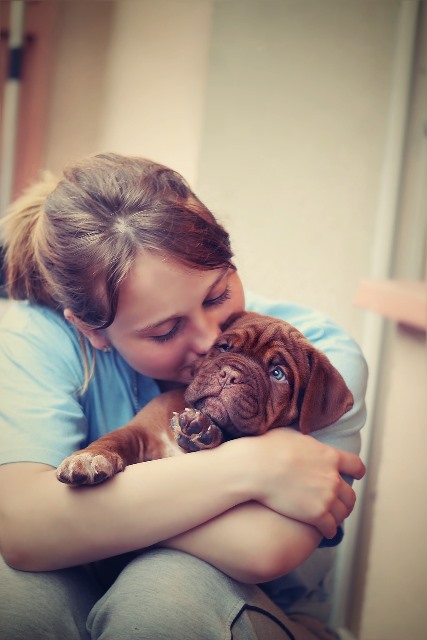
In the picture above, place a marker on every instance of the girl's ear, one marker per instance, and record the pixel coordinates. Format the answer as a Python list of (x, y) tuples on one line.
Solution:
[(95, 337)]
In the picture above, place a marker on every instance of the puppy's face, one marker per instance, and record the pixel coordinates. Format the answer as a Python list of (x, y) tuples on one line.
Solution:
[(263, 373)]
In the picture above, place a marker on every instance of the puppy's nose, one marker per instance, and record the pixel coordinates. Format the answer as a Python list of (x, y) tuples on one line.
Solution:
[(228, 375)]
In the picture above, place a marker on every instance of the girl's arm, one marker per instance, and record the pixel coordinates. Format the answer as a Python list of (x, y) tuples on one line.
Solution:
[(46, 525), (250, 543), (254, 544)]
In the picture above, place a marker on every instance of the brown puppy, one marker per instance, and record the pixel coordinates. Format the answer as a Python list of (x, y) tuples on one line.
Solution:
[(262, 373)]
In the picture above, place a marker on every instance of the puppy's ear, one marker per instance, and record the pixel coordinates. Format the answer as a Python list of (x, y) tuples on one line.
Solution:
[(326, 396)]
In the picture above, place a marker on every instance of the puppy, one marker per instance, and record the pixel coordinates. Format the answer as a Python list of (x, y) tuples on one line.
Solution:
[(262, 373)]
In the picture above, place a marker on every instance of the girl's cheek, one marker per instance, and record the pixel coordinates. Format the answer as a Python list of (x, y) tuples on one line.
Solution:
[(166, 356)]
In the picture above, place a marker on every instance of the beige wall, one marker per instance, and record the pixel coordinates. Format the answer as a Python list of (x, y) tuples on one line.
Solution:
[(294, 139), (276, 111), (155, 81), (78, 93), (393, 563), (130, 78)]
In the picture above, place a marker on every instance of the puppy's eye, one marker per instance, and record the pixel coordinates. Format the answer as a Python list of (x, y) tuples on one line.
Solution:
[(223, 346), (278, 374)]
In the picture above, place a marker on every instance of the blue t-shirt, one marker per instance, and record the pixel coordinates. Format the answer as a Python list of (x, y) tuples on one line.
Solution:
[(44, 416)]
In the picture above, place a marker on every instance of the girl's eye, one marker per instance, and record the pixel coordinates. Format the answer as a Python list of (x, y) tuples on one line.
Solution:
[(278, 374), (225, 295), (167, 336)]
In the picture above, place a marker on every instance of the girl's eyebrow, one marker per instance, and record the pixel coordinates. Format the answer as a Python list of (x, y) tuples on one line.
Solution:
[(156, 325)]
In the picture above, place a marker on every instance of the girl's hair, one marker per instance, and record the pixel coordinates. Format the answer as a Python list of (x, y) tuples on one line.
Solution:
[(70, 243)]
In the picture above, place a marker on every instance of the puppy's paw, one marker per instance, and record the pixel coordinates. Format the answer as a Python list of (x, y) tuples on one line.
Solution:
[(87, 468), (194, 430)]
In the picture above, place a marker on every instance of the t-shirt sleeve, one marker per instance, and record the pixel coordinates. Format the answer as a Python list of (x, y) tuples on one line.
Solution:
[(41, 418)]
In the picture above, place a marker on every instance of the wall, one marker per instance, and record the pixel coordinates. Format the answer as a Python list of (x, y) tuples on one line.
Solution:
[(392, 563), (83, 32), (130, 78), (156, 81), (294, 139)]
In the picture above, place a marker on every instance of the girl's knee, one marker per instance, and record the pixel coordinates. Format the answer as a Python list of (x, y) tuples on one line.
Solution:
[(166, 594)]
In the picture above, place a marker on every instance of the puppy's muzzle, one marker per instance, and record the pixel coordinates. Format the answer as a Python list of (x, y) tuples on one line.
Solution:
[(230, 391)]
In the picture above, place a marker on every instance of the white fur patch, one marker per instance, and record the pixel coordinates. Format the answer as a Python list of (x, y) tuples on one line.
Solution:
[(170, 447)]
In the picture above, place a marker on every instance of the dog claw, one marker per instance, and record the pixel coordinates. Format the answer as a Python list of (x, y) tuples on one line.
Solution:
[(209, 436), (87, 468), (194, 430)]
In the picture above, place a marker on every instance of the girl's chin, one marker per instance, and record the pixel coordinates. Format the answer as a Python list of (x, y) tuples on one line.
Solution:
[(185, 375), (185, 380)]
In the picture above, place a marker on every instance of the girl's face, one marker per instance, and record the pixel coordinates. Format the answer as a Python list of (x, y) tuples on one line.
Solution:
[(169, 315)]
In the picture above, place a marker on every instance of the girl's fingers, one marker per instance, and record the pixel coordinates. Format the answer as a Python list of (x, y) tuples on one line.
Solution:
[(339, 510), (347, 496), (351, 465), (327, 526)]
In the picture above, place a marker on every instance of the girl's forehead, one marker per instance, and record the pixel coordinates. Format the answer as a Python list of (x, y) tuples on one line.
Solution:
[(158, 288)]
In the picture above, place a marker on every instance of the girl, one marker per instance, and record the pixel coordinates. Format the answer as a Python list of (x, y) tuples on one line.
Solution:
[(123, 279)]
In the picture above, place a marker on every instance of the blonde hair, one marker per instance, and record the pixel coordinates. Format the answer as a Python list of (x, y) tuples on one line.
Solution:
[(22, 234), (69, 243)]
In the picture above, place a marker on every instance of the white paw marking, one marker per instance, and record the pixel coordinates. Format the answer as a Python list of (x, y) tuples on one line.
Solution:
[(85, 468)]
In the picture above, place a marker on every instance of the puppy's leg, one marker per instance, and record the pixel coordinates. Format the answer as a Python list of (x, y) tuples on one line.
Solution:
[(146, 437)]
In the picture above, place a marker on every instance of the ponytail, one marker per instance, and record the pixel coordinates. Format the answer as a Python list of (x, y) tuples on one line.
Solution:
[(23, 239), (21, 236)]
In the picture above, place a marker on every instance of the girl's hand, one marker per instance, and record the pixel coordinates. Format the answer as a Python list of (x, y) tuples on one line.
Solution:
[(299, 477)]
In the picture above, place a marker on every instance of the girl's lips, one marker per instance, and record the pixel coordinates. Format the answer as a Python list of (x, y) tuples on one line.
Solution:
[(188, 369), (186, 373)]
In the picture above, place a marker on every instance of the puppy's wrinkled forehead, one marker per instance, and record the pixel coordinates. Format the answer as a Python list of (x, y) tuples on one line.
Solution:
[(253, 333), (259, 334)]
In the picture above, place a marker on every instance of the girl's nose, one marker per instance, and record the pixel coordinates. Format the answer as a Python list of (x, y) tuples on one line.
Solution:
[(205, 330)]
